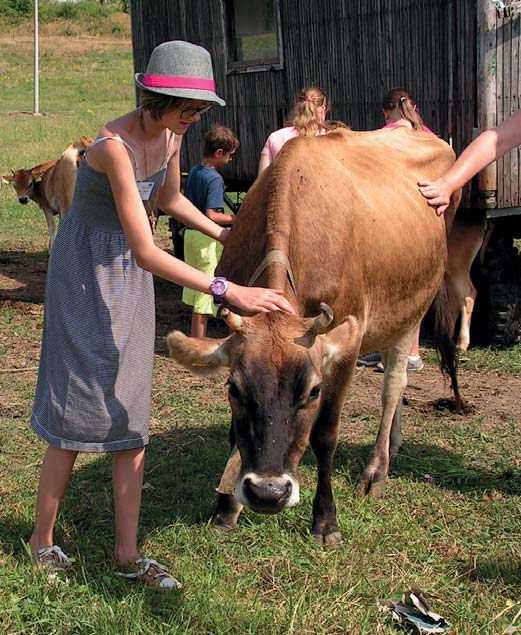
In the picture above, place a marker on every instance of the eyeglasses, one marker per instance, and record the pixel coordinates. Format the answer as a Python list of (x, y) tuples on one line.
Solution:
[(188, 113)]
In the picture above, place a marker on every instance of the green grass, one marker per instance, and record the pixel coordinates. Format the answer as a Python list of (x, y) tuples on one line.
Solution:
[(449, 520)]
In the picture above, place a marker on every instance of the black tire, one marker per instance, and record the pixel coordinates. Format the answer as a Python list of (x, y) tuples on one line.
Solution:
[(497, 320)]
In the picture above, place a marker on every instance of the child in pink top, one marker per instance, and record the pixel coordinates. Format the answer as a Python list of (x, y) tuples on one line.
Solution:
[(400, 109), (307, 119)]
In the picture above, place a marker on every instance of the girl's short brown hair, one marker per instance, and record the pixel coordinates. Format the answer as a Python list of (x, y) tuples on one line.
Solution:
[(157, 105)]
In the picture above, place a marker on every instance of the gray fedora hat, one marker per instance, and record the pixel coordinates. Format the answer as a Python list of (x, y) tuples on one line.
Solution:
[(180, 69)]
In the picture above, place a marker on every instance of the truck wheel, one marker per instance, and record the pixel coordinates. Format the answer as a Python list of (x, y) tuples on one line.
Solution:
[(499, 294)]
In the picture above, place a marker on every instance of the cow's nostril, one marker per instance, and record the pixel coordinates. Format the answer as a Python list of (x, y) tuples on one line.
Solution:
[(23, 200)]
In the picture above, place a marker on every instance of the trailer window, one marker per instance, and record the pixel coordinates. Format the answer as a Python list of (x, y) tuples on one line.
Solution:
[(253, 35)]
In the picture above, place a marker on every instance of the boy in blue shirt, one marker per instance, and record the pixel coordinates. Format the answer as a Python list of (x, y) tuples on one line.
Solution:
[(205, 188)]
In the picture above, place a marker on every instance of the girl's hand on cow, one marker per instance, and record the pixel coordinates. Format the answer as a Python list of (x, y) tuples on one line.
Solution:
[(437, 193), (224, 235), (257, 299)]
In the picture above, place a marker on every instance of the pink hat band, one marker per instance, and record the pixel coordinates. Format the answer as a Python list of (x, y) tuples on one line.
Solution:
[(166, 81)]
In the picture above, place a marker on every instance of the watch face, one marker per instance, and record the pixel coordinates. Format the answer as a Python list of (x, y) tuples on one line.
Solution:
[(218, 287)]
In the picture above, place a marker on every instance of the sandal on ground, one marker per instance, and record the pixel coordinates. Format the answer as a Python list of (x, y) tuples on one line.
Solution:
[(151, 573), (52, 559)]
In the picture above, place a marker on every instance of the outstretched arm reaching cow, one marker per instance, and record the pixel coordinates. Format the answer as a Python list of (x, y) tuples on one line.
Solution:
[(488, 147)]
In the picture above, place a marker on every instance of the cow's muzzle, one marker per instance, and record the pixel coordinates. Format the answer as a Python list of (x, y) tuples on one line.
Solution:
[(267, 495), (23, 200)]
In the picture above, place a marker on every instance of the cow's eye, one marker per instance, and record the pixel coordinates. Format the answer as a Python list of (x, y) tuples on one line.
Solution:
[(233, 391), (315, 392)]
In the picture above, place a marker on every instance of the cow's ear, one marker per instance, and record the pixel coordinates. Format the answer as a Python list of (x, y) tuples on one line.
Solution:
[(7, 178), (37, 173), (341, 342), (200, 355)]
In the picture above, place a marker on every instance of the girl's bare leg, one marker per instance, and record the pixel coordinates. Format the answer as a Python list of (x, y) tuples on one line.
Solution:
[(127, 482), (415, 348), (199, 322), (54, 476)]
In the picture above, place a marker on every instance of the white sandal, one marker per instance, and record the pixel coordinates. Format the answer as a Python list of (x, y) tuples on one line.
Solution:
[(152, 573), (52, 559)]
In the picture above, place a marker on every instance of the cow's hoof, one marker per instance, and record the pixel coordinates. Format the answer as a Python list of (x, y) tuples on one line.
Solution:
[(226, 513), (326, 532), (332, 540), (367, 486), (220, 526)]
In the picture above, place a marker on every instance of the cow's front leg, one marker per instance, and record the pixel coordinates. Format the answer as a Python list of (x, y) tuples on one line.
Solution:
[(388, 440), (228, 509), (49, 217), (323, 440)]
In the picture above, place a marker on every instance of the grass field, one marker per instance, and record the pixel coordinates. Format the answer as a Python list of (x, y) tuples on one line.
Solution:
[(449, 520)]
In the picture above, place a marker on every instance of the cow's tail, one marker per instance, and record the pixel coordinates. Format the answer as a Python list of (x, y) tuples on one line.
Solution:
[(443, 341)]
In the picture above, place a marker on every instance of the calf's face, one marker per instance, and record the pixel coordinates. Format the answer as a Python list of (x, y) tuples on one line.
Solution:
[(278, 368), (23, 182)]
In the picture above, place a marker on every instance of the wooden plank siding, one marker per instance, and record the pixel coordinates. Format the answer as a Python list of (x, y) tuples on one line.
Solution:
[(356, 51), (508, 95)]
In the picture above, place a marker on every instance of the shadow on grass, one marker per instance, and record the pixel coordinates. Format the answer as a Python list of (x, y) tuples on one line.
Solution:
[(27, 272), (447, 469), (508, 571)]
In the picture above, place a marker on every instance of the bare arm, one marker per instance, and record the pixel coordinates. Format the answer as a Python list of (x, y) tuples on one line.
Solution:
[(219, 217), (112, 158), (174, 203), (486, 148), (263, 163)]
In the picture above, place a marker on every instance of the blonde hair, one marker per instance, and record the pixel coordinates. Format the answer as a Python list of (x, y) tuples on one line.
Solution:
[(304, 116), (400, 99)]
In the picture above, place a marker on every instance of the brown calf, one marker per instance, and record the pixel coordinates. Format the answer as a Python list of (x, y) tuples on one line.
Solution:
[(50, 185)]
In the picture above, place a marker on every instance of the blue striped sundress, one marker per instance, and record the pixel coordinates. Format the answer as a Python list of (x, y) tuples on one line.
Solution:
[(94, 385)]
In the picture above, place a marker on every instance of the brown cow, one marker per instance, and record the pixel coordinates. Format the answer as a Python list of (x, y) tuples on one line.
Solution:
[(336, 219), (50, 185)]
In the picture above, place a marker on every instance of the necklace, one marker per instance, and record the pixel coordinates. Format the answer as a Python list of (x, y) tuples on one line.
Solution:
[(150, 206), (143, 130)]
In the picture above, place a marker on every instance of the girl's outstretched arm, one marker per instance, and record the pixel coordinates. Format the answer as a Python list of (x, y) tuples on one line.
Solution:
[(486, 148)]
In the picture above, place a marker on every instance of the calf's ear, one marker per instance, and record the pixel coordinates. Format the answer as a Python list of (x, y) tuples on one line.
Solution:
[(200, 355), (341, 342), (7, 178)]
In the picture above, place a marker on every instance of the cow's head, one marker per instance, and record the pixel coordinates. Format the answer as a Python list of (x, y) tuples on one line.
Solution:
[(24, 182), (278, 370)]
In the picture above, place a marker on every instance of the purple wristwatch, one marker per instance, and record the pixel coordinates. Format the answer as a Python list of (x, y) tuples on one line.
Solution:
[(218, 288)]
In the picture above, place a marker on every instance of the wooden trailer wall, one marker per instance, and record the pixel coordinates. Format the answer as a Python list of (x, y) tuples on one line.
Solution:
[(500, 94), (355, 50)]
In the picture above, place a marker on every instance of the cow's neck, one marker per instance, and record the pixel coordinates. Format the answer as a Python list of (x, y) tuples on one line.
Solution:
[(37, 196), (274, 256)]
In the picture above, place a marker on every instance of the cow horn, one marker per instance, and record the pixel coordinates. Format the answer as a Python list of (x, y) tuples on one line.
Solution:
[(233, 320), (323, 320)]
